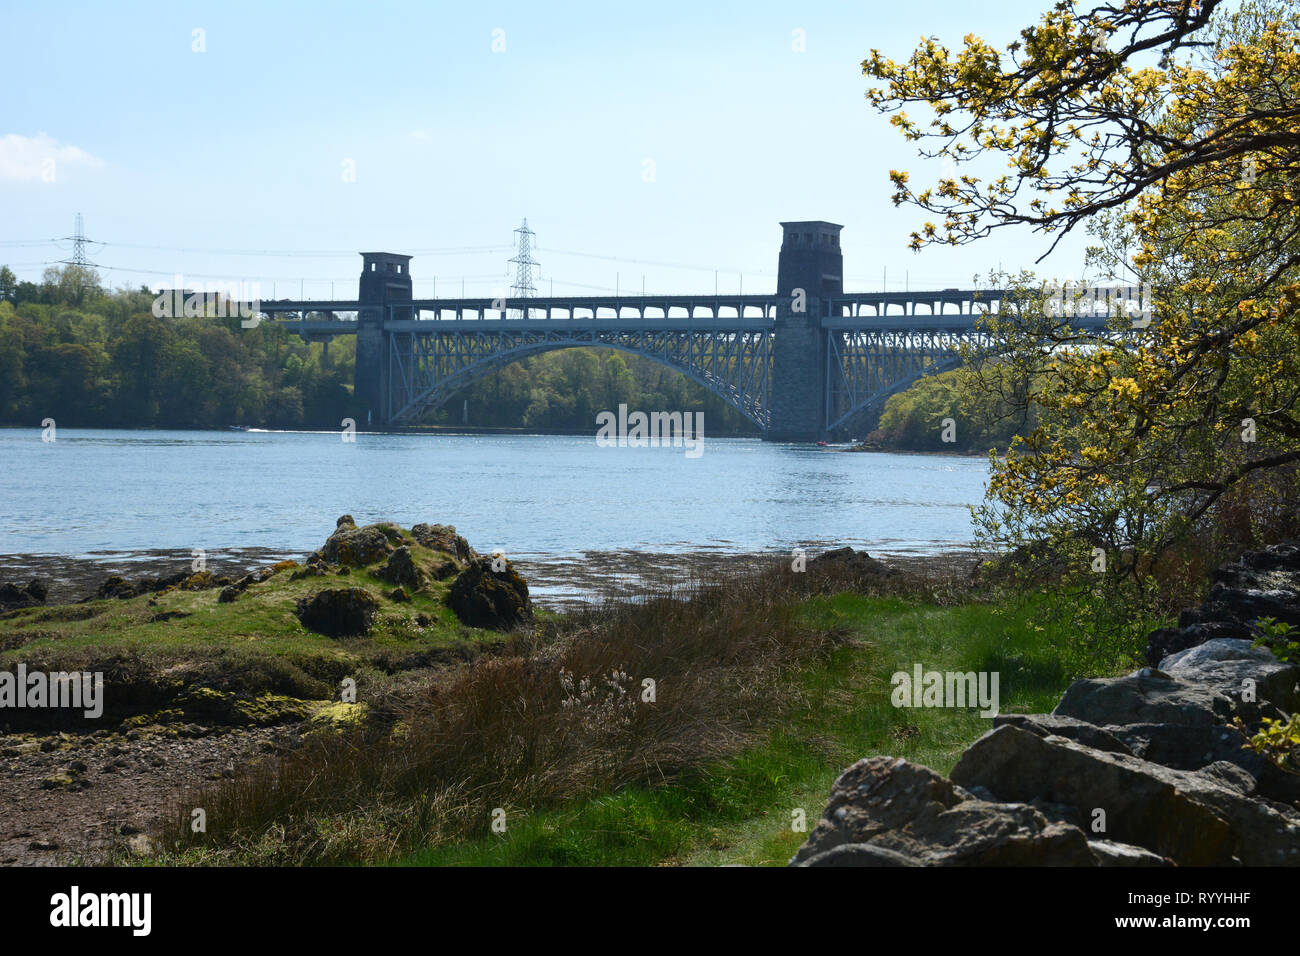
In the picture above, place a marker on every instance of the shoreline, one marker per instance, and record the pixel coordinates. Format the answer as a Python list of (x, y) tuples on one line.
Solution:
[(506, 430), (556, 582)]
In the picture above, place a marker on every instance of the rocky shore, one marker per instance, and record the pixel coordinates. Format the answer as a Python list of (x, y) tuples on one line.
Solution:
[(557, 583), (1142, 770)]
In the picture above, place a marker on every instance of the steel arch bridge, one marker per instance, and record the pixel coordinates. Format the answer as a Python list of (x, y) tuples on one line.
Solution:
[(727, 345), (806, 362), (425, 369)]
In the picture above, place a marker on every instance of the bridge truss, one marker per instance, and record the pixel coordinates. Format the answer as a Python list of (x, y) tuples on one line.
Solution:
[(876, 344), (427, 368), (864, 366)]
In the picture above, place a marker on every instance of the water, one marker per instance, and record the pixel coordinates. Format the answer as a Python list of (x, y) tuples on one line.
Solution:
[(92, 492)]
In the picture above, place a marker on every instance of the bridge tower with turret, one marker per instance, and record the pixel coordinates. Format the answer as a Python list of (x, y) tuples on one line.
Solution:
[(385, 282), (810, 270)]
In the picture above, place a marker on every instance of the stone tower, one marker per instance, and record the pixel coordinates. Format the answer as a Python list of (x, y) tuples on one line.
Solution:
[(385, 281), (811, 269)]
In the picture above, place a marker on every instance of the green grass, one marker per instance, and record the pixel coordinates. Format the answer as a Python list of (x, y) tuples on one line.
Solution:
[(261, 620), (740, 810), (159, 649)]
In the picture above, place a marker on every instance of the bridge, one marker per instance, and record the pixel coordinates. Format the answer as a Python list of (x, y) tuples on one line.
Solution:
[(807, 362)]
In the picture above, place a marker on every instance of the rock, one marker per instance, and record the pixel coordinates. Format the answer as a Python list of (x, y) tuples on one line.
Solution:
[(1047, 725), (1262, 583), (13, 596), (402, 570), (339, 612), (1227, 664), (355, 547), (1276, 557), (229, 594), (846, 560), (1144, 699), (443, 537), (1249, 604), (141, 844), (115, 586), (859, 854), (1165, 641), (481, 597), (70, 782), (1180, 746), (1110, 853), (893, 812), (444, 568), (1195, 819), (399, 595)]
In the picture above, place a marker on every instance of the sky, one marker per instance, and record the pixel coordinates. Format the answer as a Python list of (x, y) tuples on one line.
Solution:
[(647, 144)]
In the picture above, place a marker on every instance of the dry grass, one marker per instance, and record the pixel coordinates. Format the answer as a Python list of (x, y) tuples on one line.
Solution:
[(563, 714)]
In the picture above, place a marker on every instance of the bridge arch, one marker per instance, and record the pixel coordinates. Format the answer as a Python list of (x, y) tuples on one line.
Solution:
[(740, 378)]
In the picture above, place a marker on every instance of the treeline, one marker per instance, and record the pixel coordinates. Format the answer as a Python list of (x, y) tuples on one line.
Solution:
[(967, 410), (86, 356)]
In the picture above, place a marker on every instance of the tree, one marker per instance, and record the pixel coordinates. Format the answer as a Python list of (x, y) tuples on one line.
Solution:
[(8, 284), (71, 285), (1152, 440)]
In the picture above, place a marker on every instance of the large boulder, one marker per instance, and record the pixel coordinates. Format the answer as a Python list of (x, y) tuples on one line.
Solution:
[(443, 537), (1179, 746), (1231, 665), (354, 547), (1193, 818), (496, 600), (1148, 696), (339, 612), (885, 811)]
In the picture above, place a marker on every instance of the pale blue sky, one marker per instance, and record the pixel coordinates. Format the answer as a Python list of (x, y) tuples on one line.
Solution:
[(242, 148)]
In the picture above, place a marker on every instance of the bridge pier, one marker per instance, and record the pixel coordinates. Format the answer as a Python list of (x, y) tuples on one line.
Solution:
[(811, 268), (385, 281)]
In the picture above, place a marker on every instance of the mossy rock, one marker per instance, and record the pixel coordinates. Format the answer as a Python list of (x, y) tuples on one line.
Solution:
[(443, 538), (170, 715), (486, 598), (204, 704), (402, 570), (354, 547), (338, 713), (339, 612)]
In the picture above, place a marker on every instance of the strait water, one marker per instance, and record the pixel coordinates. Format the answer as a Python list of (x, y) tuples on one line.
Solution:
[(93, 493)]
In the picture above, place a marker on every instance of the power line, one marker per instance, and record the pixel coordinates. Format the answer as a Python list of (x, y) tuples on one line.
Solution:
[(270, 253)]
